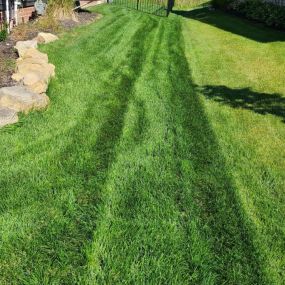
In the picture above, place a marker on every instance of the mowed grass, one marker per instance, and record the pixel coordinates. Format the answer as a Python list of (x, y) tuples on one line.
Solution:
[(239, 70), (135, 174)]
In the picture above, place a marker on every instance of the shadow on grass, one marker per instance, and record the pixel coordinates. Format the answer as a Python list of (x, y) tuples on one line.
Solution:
[(219, 208), (245, 98), (94, 171), (81, 169), (234, 24)]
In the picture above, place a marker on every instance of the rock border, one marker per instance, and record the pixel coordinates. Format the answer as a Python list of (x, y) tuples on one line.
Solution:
[(33, 73)]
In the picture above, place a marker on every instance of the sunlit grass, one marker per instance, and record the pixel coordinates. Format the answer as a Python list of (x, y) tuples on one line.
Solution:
[(188, 4), (239, 69), (159, 161)]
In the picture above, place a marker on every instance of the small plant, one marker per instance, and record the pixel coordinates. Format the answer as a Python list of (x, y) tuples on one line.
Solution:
[(4, 33)]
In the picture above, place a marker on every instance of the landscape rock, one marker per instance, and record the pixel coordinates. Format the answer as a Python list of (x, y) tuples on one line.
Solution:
[(8, 116), (45, 70), (23, 46), (17, 77), (38, 87), (32, 78), (44, 38), (34, 72), (35, 55), (20, 99), (30, 60)]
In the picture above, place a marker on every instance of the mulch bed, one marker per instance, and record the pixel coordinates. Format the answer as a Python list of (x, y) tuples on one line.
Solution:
[(29, 31), (83, 16), (8, 57)]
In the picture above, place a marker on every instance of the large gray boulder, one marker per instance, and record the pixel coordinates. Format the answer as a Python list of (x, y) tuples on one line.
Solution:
[(20, 99), (8, 116)]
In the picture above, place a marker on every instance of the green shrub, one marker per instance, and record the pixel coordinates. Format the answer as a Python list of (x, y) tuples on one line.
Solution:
[(258, 10), (222, 4), (3, 34)]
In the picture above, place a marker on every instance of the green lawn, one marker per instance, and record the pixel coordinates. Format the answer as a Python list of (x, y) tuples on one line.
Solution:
[(161, 159)]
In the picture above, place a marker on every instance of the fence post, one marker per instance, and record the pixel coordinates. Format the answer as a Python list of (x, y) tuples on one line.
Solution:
[(170, 4)]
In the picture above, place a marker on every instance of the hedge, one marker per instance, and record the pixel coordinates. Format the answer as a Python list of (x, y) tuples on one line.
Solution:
[(270, 14)]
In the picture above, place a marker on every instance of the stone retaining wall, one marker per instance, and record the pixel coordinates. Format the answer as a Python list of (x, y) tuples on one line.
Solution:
[(33, 73)]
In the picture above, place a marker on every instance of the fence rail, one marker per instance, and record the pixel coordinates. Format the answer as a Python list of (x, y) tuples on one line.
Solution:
[(156, 7)]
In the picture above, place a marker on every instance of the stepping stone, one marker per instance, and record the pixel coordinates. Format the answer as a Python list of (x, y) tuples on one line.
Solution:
[(20, 99), (8, 117)]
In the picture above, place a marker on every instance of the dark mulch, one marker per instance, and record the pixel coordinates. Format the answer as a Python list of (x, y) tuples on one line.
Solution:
[(29, 31), (83, 16), (7, 62)]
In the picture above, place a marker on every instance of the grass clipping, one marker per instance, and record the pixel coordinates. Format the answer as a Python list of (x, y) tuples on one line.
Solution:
[(61, 10)]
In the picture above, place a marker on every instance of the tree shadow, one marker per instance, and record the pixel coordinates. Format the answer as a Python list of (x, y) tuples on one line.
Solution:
[(245, 98), (236, 25)]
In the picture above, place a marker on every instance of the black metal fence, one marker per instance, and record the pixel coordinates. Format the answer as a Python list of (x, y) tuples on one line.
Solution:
[(156, 7)]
